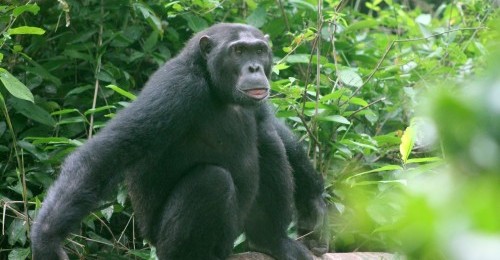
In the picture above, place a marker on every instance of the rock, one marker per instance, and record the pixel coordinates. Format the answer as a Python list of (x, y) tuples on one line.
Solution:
[(329, 256)]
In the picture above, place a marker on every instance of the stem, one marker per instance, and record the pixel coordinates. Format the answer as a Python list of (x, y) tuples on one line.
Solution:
[(20, 162), (284, 15), (97, 70)]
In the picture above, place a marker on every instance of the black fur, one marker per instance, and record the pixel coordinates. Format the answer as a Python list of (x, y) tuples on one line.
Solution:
[(202, 156)]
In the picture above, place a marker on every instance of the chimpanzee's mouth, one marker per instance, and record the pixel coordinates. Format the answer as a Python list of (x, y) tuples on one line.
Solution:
[(257, 93)]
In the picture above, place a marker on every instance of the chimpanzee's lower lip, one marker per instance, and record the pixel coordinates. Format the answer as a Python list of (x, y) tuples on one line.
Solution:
[(257, 93)]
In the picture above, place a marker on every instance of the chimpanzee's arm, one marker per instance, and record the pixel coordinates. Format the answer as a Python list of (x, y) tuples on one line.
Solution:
[(309, 187)]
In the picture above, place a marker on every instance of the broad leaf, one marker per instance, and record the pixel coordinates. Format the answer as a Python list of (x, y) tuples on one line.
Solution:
[(350, 78), (14, 86), (32, 111)]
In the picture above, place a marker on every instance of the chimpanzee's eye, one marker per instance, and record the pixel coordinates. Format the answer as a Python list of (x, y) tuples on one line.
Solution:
[(238, 50)]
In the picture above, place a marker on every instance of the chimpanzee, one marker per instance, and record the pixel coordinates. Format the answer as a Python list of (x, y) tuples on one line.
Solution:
[(202, 156)]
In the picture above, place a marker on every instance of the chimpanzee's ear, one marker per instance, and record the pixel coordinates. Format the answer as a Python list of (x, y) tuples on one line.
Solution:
[(205, 45), (268, 38)]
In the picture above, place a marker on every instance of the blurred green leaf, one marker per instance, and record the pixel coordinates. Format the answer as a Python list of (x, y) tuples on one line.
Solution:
[(258, 17), (195, 23)]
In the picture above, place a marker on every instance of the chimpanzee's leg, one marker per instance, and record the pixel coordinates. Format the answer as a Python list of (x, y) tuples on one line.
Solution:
[(200, 220), (268, 220)]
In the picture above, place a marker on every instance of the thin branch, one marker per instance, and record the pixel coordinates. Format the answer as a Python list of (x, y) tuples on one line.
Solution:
[(97, 70), (367, 106), (282, 9), (308, 130), (389, 48)]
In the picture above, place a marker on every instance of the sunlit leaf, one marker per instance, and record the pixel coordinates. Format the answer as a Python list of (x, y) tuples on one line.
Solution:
[(26, 30), (407, 142), (32, 8), (335, 118), (122, 92)]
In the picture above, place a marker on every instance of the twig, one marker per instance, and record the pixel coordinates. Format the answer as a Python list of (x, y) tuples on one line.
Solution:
[(367, 106), (97, 70), (389, 47), (284, 15)]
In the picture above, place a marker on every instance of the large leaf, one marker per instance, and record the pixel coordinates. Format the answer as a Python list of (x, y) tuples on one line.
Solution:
[(258, 17), (195, 23), (32, 8), (17, 232), (32, 111), (14, 86)]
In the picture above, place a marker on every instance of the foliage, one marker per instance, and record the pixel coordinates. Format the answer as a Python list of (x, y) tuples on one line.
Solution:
[(350, 83)]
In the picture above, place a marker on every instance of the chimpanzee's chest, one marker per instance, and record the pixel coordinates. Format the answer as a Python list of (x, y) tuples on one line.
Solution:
[(225, 136)]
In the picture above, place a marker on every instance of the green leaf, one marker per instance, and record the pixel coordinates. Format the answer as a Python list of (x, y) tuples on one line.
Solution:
[(424, 160), (365, 183), (14, 86), (407, 142), (32, 111), (32, 8), (304, 5), (122, 92), (19, 253), (53, 140), (152, 19), (40, 70), (65, 111), (335, 118), (195, 23), (151, 41), (381, 169), (98, 109), (17, 232), (26, 30), (363, 24), (298, 58), (258, 17), (108, 212), (278, 67), (350, 78), (304, 58)]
